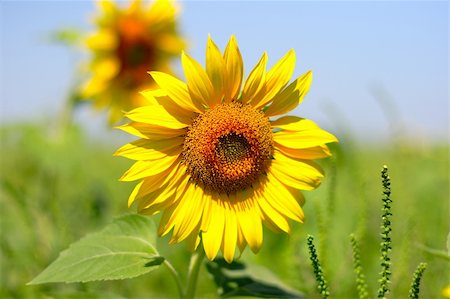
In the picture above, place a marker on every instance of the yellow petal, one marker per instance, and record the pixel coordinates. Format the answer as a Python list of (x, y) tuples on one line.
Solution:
[(154, 188), (281, 199), (310, 153), (142, 169), (309, 135), (146, 208), (155, 116), (293, 123), (272, 216), (106, 68), (167, 221), (206, 218), (160, 97), (296, 173), (297, 194), (164, 225), (189, 212), (103, 40), (230, 232), (277, 78), (255, 83), (108, 7), (151, 132), (144, 149), (291, 96), (92, 88), (162, 11), (133, 194), (176, 90), (193, 240), (212, 237), (168, 195), (215, 68), (199, 85), (250, 223), (234, 69)]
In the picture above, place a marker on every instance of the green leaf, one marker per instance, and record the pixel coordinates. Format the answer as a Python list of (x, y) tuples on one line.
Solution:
[(123, 249), (237, 279), (435, 252), (66, 36), (85, 295)]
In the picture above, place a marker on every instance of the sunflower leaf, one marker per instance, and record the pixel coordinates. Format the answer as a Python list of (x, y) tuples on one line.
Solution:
[(237, 279), (123, 249)]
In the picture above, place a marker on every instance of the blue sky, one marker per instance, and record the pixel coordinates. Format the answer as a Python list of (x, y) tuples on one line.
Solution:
[(357, 51)]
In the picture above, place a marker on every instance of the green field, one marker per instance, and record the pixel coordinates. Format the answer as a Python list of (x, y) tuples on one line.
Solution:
[(57, 187)]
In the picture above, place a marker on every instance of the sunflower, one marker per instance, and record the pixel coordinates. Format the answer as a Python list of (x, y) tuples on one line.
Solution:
[(212, 161), (129, 42)]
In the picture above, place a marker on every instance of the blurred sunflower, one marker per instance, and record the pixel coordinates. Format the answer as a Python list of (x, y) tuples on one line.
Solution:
[(211, 160), (129, 42)]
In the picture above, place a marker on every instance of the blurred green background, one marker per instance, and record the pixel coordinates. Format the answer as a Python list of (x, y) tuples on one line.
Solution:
[(380, 85), (56, 188)]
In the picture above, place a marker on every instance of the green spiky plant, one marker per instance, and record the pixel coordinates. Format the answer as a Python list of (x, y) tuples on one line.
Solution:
[(322, 285), (385, 249)]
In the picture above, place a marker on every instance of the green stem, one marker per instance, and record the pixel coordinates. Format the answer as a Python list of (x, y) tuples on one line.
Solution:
[(175, 276), (194, 269)]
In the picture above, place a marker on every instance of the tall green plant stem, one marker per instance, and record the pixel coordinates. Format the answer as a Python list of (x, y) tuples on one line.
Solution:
[(175, 276), (194, 269)]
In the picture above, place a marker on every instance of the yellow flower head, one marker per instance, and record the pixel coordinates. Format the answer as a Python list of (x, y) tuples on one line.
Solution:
[(129, 42), (212, 161)]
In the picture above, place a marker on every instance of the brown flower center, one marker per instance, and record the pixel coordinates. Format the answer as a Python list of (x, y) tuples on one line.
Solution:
[(228, 147), (135, 51)]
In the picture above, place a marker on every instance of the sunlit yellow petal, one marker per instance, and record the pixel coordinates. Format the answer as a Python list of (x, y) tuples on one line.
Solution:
[(199, 85), (309, 153), (215, 68), (212, 237), (291, 96), (273, 216), (296, 173), (189, 213), (144, 149), (206, 219), (293, 123), (176, 90), (309, 136), (151, 132), (255, 82), (250, 223), (281, 199), (160, 97), (297, 194), (167, 195), (277, 78), (156, 116), (234, 70), (230, 232), (142, 169), (154, 188)]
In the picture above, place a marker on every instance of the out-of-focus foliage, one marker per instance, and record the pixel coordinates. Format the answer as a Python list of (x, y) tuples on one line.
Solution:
[(57, 188)]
